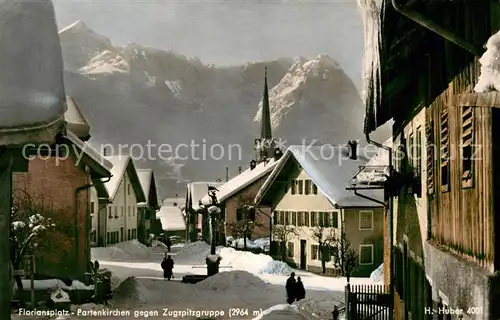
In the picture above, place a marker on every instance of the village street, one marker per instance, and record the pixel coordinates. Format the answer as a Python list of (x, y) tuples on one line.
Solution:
[(255, 289)]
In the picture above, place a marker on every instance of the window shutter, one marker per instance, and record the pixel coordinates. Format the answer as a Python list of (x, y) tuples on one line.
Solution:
[(430, 151), (445, 150), (294, 218), (467, 146)]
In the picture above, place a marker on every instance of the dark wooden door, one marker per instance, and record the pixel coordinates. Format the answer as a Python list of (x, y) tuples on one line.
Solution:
[(303, 254)]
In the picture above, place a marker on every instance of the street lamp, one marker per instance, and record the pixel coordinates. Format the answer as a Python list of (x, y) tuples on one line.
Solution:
[(213, 210)]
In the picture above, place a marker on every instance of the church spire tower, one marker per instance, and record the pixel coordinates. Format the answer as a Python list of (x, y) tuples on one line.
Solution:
[(266, 145)]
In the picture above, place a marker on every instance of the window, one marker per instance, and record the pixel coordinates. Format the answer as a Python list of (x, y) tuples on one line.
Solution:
[(294, 218), (365, 220), (300, 218), (418, 150), (108, 238), (91, 207), (326, 219), (314, 188), (306, 219), (275, 217), (116, 212), (410, 146), (239, 214), (365, 254), (445, 151), (326, 254), (293, 188), (430, 152), (314, 219), (301, 187), (128, 234), (314, 252), (110, 214), (307, 187), (129, 211), (290, 250), (287, 218), (467, 146), (335, 221)]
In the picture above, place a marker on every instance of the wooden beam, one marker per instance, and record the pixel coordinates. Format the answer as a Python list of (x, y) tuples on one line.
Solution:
[(487, 100), (5, 208)]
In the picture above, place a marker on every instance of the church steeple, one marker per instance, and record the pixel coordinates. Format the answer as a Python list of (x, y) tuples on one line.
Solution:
[(266, 146), (265, 132)]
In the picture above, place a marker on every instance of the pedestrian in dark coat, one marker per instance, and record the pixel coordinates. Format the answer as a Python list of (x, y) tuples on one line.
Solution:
[(300, 291), (168, 243), (167, 265), (291, 288)]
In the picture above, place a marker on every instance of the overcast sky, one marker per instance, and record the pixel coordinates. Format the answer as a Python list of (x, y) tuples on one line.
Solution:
[(229, 31)]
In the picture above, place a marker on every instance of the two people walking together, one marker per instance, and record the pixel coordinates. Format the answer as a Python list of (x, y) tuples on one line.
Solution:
[(295, 290)]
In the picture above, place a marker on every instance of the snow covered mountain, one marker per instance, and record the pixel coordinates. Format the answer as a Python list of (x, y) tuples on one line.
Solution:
[(136, 94)]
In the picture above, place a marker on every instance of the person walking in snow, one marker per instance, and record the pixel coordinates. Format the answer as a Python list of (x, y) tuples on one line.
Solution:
[(167, 265), (300, 291), (291, 288), (168, 242)]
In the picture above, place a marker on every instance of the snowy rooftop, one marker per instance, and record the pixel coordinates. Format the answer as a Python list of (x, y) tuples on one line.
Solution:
[(92, 153), (171, 218), (329, 170), (197, 190), (120, 164), (242, 180), (75, 119), (376, 170), (145, 177)]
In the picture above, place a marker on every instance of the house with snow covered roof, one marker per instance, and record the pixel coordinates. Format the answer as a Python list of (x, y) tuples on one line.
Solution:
[(170, 221), (147, 210), (306, 191), (240, 191), (66, 179), (119, 218)]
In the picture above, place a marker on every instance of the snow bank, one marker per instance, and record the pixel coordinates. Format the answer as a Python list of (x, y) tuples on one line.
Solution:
[(159, 246), (233, 281), (193, 253), (240, 243), (253, 263), (132, 290), (378, 274), (109, 254), (489, 79), (135, 249), (54, 283), (278, 307), (123, 251)]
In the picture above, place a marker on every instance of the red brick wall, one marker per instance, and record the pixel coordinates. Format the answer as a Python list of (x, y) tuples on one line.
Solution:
[(53, 182), (248, 194)]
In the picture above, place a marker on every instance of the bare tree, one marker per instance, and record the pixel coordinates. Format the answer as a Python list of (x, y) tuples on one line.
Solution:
[(344, 256), (325, 237), (28, 224), (246, 221), (283, 233)]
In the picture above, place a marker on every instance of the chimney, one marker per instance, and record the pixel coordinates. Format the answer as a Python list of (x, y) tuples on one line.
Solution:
[(353, 146), (253, 164), (239, 170), (227, 174)]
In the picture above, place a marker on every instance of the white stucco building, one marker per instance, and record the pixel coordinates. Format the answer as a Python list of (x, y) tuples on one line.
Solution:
[(125, 192)]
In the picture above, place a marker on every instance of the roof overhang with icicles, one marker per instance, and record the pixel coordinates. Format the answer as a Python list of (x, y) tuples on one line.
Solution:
[(406, 64), (369, 177)]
